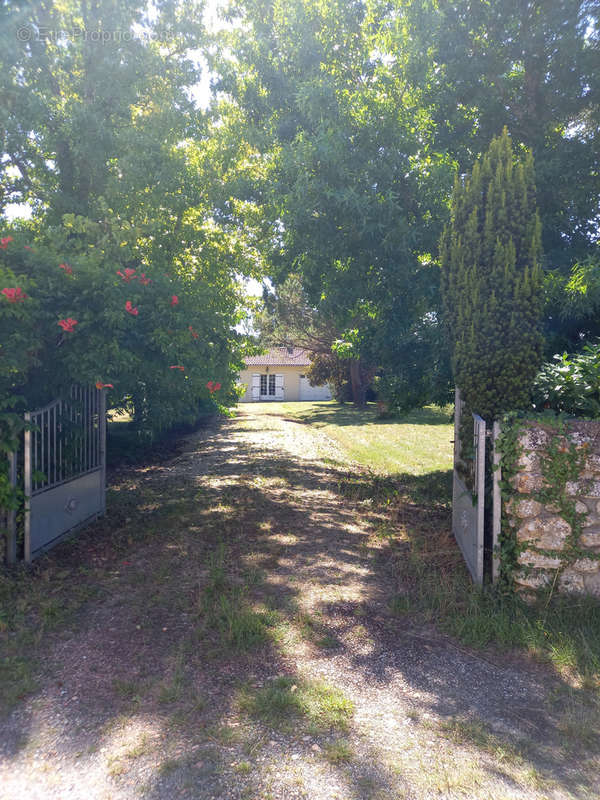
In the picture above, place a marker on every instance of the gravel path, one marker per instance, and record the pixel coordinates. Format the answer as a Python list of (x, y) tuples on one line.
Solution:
[(137, 699)]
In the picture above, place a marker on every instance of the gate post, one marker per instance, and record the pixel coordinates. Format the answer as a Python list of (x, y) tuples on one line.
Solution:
[(480, 434), (102, 425), (457, 416), (496, 503), (27, 484), (456, 454), (8, 516), (11, 516)]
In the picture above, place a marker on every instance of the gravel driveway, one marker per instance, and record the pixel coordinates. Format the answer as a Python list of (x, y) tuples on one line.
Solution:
[(137, 697)]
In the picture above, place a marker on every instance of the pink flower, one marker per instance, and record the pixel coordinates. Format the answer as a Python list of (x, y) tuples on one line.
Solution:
[(67, 324), (174, 300), (193, 332), (217, 387), (177, 366), (144, 280), (209, 386), (100, 385), (4, 242), (128, 276), (213, 387), (128, 307), (26, 246), (14, 295), (66, 268)]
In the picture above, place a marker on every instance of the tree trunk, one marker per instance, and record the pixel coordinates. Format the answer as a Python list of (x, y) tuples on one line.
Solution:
[(359, 390)]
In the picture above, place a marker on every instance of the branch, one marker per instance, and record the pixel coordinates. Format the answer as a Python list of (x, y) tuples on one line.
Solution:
[(23, 169)]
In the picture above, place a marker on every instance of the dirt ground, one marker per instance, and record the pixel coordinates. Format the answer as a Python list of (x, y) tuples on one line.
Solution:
[(335, 697)]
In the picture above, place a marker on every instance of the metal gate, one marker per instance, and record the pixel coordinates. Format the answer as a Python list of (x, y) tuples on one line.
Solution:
[(469, 497), (64, 467)]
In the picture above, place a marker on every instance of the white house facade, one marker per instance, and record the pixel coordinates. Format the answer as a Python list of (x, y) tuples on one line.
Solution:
[(280, 374)]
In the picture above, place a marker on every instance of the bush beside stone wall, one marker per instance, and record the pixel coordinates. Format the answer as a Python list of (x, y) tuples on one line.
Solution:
[(555, 508)]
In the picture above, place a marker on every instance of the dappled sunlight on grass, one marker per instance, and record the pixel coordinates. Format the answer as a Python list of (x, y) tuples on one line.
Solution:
[(287, 701), (417, 443)]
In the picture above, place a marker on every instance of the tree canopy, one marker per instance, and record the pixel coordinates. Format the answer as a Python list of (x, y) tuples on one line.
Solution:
[(102, 139), (533, 67), (358, 114), (355, 189), (328, 153)]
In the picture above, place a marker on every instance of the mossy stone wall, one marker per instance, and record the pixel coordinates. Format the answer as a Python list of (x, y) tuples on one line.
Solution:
[(554, 509)]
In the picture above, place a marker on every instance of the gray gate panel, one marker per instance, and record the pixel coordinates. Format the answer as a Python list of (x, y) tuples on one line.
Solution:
[(465, 518), (57, 511), (64, 467), (468, 505)]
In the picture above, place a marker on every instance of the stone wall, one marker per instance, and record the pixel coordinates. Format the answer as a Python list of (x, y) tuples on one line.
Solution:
[(555, 508)]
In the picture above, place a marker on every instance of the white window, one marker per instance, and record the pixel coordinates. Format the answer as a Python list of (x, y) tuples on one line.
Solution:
[(267, 385)]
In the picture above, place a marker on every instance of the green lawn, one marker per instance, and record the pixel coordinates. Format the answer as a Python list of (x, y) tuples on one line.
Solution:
[(418, 443), (410, 467)]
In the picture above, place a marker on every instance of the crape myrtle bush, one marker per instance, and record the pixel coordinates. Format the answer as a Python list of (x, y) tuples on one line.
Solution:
[(79, 304)]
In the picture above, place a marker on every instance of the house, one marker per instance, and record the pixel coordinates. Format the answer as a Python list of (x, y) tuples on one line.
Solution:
[(280, 374)]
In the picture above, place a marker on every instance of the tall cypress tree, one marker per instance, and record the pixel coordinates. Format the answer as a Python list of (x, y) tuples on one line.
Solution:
[(492, 281)]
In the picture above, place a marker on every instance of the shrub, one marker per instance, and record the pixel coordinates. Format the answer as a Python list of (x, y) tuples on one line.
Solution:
[(328, 368), (80, 304), (570, 384)]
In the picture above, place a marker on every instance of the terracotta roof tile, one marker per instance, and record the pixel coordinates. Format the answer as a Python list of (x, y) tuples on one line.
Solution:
[(280, 357)]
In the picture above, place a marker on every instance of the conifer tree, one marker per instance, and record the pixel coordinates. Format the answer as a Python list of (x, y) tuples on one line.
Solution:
[(492, 281)]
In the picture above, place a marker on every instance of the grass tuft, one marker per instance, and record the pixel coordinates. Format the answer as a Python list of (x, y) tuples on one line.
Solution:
[(285, 699), (312, 629), (169, 765), (579, 723), (127, 690), (224, 607), (16, 680), (563, 632), (477, 733), (339, 752)]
